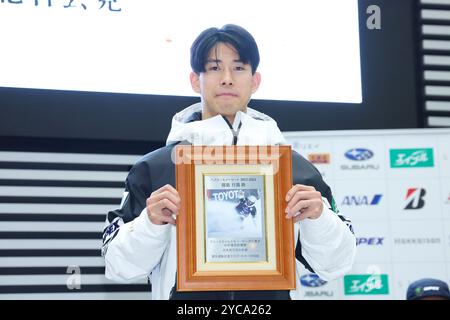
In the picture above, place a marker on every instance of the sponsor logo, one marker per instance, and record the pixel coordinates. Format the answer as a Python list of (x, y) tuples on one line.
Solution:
[(360, 167), (373, 241), (319, 293), (411, 158), (305, 146), (110, 230), (414, 198), (311, 280), (414, 241), (359, 154), (224, 195), (365, 284), (361, 200), (319, 158)]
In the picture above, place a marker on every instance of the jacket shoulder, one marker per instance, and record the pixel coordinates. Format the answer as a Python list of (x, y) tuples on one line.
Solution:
[(304, 172), (156, 167), (156, 157)]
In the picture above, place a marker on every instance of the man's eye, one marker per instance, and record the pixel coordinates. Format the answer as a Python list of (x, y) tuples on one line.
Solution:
[(214, 68), (240, 68)]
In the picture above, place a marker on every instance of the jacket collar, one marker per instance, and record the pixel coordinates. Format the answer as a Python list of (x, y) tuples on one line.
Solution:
[(253, 128)]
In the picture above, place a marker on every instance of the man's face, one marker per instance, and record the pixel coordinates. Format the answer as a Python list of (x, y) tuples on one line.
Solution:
[(226, 85)]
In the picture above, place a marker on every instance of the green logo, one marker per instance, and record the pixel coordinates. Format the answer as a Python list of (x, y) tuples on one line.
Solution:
[(411, 158), (366, 284), (418, 292)]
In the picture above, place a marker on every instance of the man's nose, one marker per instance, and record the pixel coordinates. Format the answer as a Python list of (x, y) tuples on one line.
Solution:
[(227, 79)]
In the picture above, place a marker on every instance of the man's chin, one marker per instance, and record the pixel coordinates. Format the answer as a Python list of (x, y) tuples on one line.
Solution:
[(228, 111)]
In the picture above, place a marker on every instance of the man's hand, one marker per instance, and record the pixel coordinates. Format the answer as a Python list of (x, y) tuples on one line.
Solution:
[(163, 204), (303, 202)]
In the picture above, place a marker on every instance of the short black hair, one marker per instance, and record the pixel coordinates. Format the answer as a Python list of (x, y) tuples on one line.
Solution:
[(232, 34)]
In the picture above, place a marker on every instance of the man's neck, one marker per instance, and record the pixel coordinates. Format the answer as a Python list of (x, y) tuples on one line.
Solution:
[(230, 118)]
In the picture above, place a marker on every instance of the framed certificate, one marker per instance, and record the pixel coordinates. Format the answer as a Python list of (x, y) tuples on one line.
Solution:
[(232, 233)]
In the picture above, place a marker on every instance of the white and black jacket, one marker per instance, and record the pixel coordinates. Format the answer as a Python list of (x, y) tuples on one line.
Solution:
[(134, 248)]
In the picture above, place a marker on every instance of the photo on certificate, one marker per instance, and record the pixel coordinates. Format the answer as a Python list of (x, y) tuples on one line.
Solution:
[(235, 218)]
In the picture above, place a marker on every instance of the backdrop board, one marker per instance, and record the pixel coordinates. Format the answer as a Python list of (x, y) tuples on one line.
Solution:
[(395, 187)]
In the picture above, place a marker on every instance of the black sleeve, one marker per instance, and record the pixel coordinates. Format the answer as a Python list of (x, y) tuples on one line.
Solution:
[(138, 187), (304, 172), (148, 174), (137, 190)]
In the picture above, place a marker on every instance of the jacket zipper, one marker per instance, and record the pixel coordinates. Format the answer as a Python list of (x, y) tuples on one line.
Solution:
[(235, 132)]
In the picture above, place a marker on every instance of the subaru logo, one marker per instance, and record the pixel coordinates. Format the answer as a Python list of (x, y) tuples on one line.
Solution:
[(359, 154), (311, 280)]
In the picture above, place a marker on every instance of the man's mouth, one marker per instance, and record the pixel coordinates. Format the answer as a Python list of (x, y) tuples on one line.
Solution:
[(226, 94)]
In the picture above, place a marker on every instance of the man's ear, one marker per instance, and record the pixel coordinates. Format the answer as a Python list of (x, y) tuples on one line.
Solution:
[(195, 82), (256, 80)]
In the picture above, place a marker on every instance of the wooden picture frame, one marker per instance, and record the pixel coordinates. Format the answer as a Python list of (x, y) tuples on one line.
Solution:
[(232, 233)]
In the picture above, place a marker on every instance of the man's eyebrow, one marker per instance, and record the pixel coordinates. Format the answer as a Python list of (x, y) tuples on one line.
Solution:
[(219, 61)]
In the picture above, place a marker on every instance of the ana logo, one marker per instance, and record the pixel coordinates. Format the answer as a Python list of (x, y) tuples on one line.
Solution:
[(361, 200), (366, 284), (374, 241), (411, 158), (319, 158), (414, 198), (311, 280), (359, 154)]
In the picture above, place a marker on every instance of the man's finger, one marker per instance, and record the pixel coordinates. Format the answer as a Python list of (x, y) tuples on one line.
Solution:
[(166, 204), (166, 187), (296, 188), (299, 206), (306, 209), (302, 195), (167, 219), (173, 197)]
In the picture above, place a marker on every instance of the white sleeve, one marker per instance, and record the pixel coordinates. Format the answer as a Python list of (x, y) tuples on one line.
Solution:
[(328, 245), (136, 250)]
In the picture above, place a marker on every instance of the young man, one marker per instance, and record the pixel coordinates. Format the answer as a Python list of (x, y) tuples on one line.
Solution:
[(140, 240)]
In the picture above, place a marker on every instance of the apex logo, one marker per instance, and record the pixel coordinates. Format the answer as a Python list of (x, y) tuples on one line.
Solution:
[(414, 198), (373, 241)]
